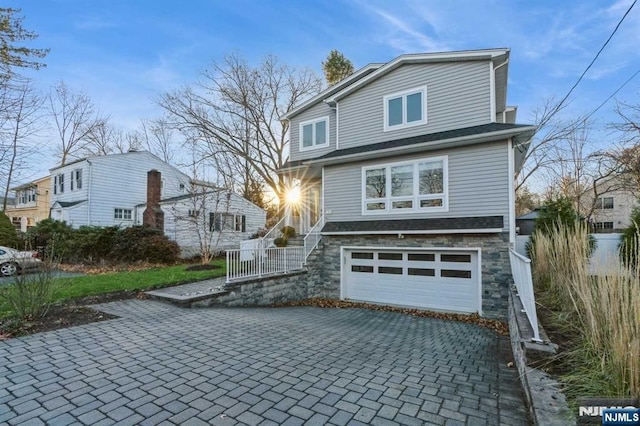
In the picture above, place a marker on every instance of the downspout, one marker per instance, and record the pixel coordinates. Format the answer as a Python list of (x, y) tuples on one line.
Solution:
[(493, 92), (89, 195)]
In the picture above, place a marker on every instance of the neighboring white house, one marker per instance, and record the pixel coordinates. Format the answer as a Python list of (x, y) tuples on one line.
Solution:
[(614, 202), (408, 169), (114, 190), (215, 217)]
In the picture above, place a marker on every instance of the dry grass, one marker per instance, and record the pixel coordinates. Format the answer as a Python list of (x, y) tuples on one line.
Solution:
[(603, 310)]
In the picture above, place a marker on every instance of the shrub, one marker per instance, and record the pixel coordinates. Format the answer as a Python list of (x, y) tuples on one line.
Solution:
[(280, 242), (143, 243), (30, 295), (92, 244), (288, 232), (631, 241), (8, 234), (54, 235)]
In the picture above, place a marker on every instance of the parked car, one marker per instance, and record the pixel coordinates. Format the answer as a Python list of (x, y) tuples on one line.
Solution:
[(13, 261)]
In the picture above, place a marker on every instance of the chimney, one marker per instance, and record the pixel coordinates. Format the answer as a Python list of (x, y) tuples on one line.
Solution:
[(153, 215)]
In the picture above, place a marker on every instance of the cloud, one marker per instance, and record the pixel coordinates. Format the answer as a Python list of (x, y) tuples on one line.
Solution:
[(94, 24)]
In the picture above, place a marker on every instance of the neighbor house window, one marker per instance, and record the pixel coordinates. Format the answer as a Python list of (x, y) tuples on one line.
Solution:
[(405, 187), (219, 222), (603, 225), (405, 109), (314, 134), (58, 184), (76, 179), (123, 214), (604, 203)]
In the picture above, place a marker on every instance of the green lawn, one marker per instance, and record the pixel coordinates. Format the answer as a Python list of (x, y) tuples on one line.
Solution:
[(91, 285)]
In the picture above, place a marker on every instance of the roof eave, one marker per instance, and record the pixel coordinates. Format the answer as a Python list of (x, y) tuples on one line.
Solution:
[(432, 145)]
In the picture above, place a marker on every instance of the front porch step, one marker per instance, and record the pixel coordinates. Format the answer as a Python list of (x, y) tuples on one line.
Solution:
[(297, 241)]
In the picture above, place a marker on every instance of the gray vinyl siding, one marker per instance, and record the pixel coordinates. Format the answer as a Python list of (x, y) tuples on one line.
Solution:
[(458, 95), (188, 232), (478, 185), (317, 111)]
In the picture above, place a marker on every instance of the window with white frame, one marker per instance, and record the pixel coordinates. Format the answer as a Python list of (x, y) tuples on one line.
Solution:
[(58, 183), (604, 203), (76, 179), (26, 196), (314, 134), (219, 222), (419, 185), (405, 109), (603, 225), (123, 214)]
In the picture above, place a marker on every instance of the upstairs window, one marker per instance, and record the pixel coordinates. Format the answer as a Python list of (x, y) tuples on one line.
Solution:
[(605, 203), (76, 179), (405, 109), (314, 134), (405, 187), (58, 184)]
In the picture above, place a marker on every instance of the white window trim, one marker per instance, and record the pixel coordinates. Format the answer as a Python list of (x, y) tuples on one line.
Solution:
[(415, 197), (403, 95), (123, 210), (313, 123)]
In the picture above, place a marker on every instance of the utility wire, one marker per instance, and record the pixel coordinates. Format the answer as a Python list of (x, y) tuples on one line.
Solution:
[(557, 108), (611, 96)]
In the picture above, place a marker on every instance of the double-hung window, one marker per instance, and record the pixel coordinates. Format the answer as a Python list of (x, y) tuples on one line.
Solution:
[(58, 184), (416, 186), (405, 109), (219, 222), (604, 203), (123, 214), (76, 179), (314, 134)]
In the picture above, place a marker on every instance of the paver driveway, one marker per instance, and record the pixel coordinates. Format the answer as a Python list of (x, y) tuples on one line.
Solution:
[(163, 364)]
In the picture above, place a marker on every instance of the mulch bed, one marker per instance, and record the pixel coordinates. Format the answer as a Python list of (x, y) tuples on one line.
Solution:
[(65, 315)]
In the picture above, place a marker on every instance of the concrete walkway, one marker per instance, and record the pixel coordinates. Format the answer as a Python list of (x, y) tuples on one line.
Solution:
[(161, 364)]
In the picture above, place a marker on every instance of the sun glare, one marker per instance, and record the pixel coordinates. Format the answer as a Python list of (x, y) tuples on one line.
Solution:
[(293, 196)]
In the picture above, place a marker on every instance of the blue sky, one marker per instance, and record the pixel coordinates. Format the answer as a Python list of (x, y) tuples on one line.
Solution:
[(125, 53)]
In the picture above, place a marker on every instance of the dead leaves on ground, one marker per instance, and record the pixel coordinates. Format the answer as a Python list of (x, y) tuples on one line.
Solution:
[(492, 324)]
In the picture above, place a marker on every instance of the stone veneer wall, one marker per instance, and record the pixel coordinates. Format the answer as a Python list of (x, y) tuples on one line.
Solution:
[(324, 267)]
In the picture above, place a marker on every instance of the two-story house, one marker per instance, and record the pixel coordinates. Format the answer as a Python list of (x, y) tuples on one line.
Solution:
[(31, 203), (609, 203), (407, 170), (136, 188)]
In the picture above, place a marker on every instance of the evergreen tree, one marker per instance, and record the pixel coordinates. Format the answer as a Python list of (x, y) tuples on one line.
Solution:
[(8, 234), (336, 67), (12, 55)]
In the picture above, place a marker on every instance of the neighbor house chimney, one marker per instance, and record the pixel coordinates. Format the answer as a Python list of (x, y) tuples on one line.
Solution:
[(153, 215)]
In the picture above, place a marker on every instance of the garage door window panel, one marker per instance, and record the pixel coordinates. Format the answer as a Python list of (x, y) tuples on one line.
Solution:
[(361, 255), (455, 273), (362, 268), (389, 270), (390, 256), (422, 272), (462, 258)]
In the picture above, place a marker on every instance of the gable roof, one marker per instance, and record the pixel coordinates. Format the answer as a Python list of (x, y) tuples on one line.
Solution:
[(362, 72), (66, 204), (422, 58), (110, 156)]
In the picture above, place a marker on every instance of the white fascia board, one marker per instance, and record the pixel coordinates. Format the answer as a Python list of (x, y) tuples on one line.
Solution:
[(445, 143), (421, 232), (464, 55)]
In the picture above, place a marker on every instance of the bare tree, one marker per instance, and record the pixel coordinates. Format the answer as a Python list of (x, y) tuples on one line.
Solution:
[(158, 137), (75, 117), (21, 122), (551, 132), (629, 123), (236, 110), (104, 139)]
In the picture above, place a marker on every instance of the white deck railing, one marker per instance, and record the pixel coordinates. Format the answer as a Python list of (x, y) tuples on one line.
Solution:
[(313, 237), (521, 270), (245, 264), (273, 233)]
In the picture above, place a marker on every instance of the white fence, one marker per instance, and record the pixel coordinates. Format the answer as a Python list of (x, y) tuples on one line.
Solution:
[(521, 270), (245, 264), (313, 237), (606, 252)]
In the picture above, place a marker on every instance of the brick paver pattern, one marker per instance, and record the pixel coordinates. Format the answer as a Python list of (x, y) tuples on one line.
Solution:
[(160, 364)]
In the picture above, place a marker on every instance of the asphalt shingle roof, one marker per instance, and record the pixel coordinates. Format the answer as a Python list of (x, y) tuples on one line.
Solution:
[(449, 223)]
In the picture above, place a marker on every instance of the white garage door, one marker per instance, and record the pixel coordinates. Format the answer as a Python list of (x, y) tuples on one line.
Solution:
[(443, 280)]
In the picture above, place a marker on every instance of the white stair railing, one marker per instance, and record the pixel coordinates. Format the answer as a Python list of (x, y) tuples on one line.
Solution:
[(313, 237), (521, 270), (273, 233)]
